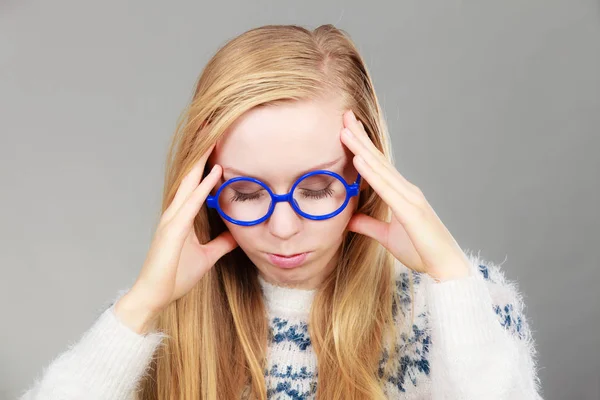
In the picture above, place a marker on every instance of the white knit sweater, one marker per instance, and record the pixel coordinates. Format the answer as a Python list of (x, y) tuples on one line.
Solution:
[(469, 340)]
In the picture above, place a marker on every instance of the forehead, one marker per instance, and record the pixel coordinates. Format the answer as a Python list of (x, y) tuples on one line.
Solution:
[(278, 141)]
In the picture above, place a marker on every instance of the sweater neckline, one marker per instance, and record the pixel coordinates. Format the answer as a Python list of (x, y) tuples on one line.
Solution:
[(285, 301)]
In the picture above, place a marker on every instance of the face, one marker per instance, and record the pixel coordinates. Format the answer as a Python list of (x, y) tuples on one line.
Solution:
[(278, 144)]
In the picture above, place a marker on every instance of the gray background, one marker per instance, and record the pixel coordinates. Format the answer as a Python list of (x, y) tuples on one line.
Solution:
[(493, 107)]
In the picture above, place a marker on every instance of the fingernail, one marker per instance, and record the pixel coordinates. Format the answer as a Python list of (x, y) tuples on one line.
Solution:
[(348, 133), (353, 116)]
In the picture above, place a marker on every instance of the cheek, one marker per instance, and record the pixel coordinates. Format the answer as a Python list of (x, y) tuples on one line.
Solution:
[(349, 210), (328, 231), (331, 231)]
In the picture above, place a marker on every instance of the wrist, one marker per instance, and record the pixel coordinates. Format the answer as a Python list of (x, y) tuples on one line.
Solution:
[(134, 315), (450, 273)]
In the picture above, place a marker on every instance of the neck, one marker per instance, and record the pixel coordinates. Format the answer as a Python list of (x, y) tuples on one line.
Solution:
[(286, 301)]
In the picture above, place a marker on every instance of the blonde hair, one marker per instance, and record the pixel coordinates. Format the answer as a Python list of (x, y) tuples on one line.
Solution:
[(217, 346)]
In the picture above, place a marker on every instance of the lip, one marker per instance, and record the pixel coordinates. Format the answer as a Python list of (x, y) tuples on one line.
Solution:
[(291, 261)]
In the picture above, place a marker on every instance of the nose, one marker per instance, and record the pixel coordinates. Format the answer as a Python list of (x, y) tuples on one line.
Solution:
[(284, 222)]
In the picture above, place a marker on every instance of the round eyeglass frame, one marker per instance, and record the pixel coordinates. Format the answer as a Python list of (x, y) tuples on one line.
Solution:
[(351, 190)]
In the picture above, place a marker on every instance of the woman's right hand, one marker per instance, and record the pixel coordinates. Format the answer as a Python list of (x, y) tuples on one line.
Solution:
[(176, 260)]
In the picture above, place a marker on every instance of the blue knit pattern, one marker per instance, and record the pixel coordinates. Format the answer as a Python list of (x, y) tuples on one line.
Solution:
[(413, 346), (511, 319)]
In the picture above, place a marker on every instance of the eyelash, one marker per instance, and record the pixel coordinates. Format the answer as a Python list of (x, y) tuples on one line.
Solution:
[(326, 192), (244, 196)]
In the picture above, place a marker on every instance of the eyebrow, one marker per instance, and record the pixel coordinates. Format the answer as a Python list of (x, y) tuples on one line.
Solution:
[(324, 165)]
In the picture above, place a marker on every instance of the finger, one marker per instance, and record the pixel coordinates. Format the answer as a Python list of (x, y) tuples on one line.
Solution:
[(192, 179), (380, 231), (190, 208), (219, 246), (352, 142), (382, 168), (369, 226), (188, 183), (399, 204), (357, 128), (354, 136), (361, 135)]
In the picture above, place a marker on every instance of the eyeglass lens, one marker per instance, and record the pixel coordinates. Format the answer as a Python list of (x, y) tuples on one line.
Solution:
[(316, 195)]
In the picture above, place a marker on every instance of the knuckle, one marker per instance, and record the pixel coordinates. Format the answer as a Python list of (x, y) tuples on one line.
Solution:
[(161, 233), (419, 213), (417, 190), (419, 196)]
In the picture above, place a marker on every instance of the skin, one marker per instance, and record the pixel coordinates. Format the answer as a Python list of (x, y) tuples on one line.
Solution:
[(291, 139), (297, 137), (277, 144), (415, 235)]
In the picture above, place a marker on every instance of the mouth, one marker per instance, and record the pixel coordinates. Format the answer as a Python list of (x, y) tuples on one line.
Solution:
[(287, 260)]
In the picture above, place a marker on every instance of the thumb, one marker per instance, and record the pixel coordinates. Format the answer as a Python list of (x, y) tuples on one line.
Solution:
[(219, 246), (369, 226)]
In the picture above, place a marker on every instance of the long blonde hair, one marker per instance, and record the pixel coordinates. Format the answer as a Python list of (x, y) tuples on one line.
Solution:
[(217, 346)]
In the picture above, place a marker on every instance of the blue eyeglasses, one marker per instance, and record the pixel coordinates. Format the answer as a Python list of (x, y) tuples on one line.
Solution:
[(316, 195)]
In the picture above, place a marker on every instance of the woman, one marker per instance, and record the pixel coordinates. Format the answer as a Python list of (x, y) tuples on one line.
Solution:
[(289, 240)]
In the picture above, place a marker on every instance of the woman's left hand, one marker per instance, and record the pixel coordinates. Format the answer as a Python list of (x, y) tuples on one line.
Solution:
[(415, 235)]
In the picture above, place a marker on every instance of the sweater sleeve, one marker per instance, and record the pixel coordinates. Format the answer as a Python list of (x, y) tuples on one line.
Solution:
[(106, 363), (481, 343)]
